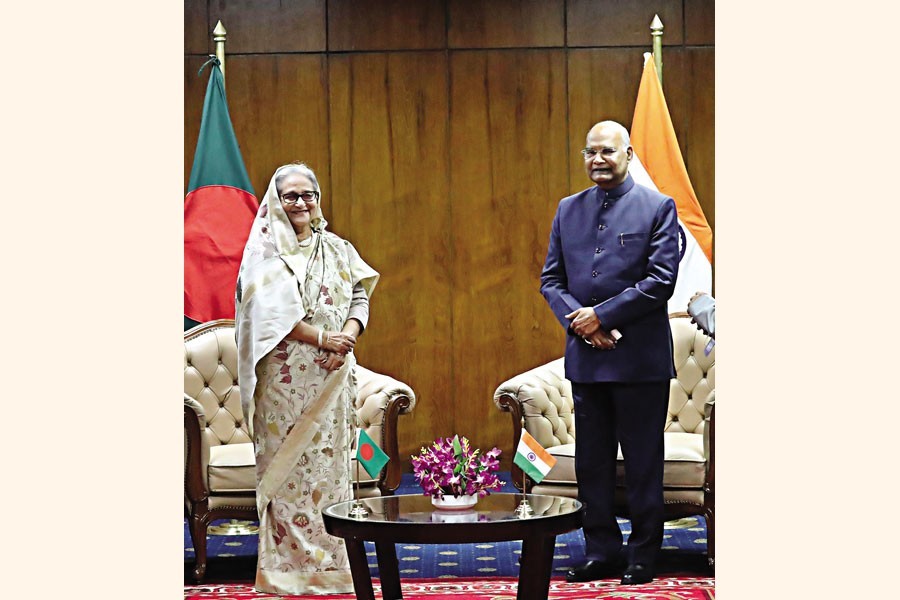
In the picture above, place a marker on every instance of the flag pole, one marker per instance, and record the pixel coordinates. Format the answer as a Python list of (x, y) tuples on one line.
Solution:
[(656, 32), (524, 510), (357, 511), (219, 39)]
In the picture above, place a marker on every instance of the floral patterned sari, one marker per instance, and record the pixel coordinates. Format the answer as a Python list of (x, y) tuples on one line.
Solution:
[(298, 412)]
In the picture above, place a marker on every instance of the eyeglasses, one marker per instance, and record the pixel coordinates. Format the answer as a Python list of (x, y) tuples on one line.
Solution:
[(591, 153), (308, 197)]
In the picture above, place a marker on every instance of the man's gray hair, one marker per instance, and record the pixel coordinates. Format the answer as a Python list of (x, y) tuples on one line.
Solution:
[(615, 126), (296, 167)]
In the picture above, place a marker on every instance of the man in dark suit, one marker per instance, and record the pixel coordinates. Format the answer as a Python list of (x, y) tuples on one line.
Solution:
[(611, 266)]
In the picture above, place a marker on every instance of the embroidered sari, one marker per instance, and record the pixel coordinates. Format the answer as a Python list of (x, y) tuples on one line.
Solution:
[(299, 413)]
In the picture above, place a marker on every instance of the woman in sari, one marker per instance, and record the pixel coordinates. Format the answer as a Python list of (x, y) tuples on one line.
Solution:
[(302, 300)]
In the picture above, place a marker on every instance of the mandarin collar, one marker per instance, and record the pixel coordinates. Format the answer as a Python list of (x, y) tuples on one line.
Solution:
[(618, 191)]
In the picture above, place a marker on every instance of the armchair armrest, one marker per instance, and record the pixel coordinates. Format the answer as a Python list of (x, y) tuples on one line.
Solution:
[(196, 450), (508, 401), (198, 410), (540, 400), (381, 399), (709, 448)]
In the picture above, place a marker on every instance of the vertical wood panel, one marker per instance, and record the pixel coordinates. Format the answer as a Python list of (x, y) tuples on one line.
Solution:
[(194, 92), (506, 23), (271, 25), (508, 171), (701, 150), (386, 24), (389, 160), (197, 38), (699, 22), (621, 22), (279, 110), (677, 89), (603, 84)]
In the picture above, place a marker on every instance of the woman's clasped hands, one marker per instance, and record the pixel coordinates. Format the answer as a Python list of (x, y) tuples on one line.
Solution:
[(336, 345)]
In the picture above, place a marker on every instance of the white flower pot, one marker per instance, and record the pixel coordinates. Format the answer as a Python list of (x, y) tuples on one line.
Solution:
[(455, 503)]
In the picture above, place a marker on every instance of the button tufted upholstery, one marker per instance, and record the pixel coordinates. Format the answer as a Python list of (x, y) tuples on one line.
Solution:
[(541, 400), (220, 469)]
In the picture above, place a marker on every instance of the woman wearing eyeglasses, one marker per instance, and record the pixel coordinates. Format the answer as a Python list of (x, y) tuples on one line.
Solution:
[(302, 300)]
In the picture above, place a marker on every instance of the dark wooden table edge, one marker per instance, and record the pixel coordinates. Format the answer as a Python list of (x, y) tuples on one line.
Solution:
[(535, 566)]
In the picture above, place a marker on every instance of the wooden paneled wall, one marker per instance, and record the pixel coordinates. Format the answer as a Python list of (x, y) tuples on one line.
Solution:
[(443, 133)]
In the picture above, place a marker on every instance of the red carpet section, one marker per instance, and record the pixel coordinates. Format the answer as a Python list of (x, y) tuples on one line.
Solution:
[(665, 588)]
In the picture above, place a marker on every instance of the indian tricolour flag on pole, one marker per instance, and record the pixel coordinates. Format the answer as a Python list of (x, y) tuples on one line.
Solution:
[(658, 165), (532, 458)]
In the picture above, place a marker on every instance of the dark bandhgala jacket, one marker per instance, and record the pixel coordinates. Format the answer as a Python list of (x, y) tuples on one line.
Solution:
[(616, 251)]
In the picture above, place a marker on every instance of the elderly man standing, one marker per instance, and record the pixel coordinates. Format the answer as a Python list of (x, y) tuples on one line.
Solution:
[(611, 266)]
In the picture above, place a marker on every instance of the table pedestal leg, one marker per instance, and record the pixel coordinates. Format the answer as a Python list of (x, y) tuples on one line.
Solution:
[(388, 570), (359, 568), (535, 567)]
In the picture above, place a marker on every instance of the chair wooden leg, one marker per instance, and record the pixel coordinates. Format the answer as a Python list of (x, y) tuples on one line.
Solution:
[(198, 526), (711, 537)]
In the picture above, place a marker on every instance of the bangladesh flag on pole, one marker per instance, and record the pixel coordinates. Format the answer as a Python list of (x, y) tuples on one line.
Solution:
[(532, 458), (369, 455), (218, 210)]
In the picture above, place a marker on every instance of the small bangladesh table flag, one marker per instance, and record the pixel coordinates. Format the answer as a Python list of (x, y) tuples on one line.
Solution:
[(532, 458), (368, 454)]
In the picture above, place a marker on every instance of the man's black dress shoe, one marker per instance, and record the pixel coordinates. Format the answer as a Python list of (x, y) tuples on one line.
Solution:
[(593, 569), (637, 574)]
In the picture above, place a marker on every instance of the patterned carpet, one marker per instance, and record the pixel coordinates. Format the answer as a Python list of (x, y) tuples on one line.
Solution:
[(232, 557), (671, 588)]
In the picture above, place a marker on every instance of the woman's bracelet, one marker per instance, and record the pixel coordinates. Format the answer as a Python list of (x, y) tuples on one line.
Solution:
[(319, 341)]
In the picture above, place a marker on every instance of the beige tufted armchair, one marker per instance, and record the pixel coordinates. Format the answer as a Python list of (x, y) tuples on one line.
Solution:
[(219, 462), (541, 400)]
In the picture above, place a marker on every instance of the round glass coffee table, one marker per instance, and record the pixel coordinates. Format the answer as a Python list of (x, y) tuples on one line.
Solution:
[(413, 519)]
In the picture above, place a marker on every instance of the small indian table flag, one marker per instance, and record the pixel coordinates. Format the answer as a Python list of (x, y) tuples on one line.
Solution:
[(532, 458), (368, 454)]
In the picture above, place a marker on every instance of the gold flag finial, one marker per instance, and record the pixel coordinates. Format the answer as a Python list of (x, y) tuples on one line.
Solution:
[(219, 39), (656, 31)]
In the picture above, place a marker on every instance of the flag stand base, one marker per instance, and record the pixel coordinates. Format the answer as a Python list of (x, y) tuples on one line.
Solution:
[(359, 511), (524, 510)]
